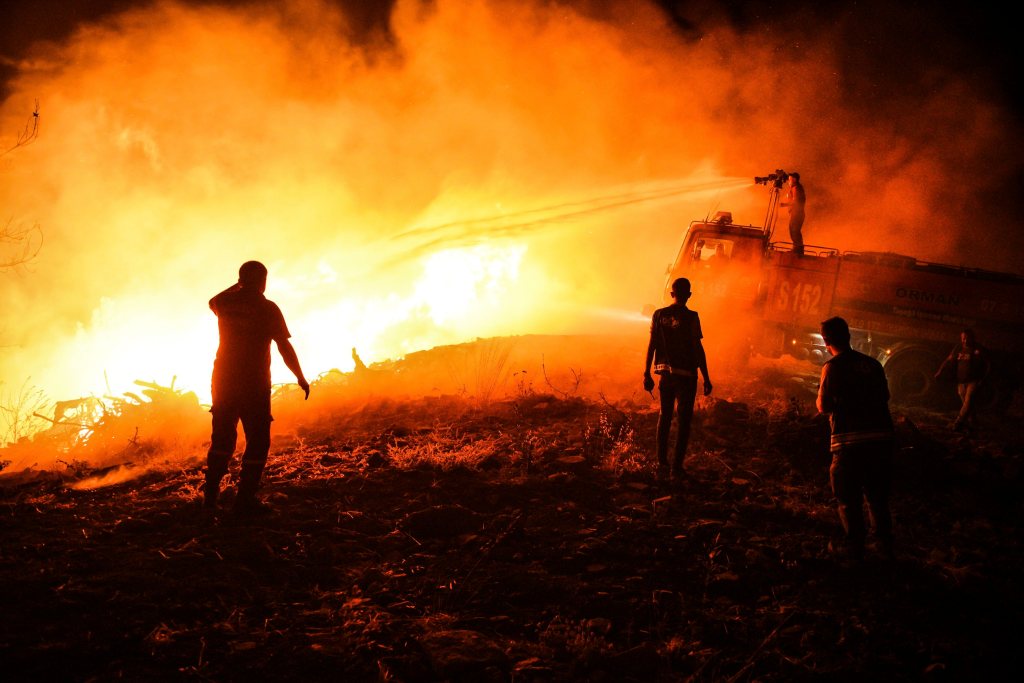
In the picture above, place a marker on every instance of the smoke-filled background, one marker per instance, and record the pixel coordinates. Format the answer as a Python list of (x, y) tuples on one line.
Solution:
[(424, 173)]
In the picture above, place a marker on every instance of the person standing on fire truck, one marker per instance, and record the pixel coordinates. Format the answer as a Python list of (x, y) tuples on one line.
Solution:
[(972, 367), (247, 322), (795, 200), (854, 393), (677, 352)]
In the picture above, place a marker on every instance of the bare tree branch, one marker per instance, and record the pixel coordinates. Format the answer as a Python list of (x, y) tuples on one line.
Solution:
[(577, 376), (19, 245), (29, 134)]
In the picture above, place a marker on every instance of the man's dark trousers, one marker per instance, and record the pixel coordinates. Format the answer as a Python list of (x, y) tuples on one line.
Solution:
[(861, 471), (677, 392), (254, 414)]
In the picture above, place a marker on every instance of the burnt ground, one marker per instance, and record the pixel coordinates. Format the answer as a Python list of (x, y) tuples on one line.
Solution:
[(525, 539)]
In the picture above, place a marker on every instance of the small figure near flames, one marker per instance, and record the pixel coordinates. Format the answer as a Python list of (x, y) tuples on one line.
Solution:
[(247, 322), (795, 200), (972, 367), (676, 349), (854, 393), (360, 366)]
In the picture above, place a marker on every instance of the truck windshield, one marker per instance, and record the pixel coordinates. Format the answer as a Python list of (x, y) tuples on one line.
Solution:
[(714, 251)]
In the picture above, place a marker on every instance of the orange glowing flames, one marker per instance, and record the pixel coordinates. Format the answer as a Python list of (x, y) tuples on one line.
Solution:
[(490, 168), (458, 292), (398, 206)]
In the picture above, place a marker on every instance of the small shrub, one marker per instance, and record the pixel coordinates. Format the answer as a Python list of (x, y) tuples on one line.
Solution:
[(613, 444)]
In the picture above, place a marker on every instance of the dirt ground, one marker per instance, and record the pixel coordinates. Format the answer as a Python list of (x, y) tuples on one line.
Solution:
[(523, 538)]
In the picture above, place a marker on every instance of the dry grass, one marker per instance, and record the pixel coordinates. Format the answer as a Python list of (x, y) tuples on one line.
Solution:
[(480, 371), (445, 448)]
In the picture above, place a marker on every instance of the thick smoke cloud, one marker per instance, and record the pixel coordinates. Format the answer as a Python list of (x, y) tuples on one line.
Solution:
[(405, 188)]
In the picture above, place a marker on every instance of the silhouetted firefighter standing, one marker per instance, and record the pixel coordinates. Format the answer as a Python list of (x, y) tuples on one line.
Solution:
[(247, 322), (854, 393), (676, 349), (796, 198)]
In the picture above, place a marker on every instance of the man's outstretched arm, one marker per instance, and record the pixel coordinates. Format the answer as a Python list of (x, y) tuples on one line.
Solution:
[(949, 359), (291, 359)]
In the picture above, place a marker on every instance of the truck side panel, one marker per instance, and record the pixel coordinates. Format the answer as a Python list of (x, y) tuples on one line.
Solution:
[(922, 302), (799, 290)]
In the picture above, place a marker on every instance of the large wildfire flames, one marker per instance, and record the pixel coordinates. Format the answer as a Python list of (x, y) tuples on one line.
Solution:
[(441, 183)]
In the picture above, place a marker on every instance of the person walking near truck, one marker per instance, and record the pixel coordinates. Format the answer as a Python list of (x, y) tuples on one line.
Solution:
[(972, 367), (795, 200), (854, 393), (677, 352)]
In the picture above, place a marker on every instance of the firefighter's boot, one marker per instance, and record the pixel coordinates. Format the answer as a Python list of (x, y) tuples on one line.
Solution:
[(216, 468), (246, 502)]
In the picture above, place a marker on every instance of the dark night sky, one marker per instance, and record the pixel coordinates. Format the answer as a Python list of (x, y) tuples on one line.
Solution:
[(883, 43)]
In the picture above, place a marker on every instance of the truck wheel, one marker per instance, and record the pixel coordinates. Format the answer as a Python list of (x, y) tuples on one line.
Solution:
[(912, 379)]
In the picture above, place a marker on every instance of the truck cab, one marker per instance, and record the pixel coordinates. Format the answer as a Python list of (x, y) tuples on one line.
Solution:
[(723, 262)]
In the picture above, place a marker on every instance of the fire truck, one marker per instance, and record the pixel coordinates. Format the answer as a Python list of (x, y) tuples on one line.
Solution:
[(905, 312)]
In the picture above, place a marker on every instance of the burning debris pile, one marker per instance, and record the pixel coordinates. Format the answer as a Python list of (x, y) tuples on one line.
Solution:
[(443, 537), (128, 431)]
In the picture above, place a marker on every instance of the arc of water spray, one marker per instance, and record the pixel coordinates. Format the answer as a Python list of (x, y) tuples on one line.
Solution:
[(476, 230)]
